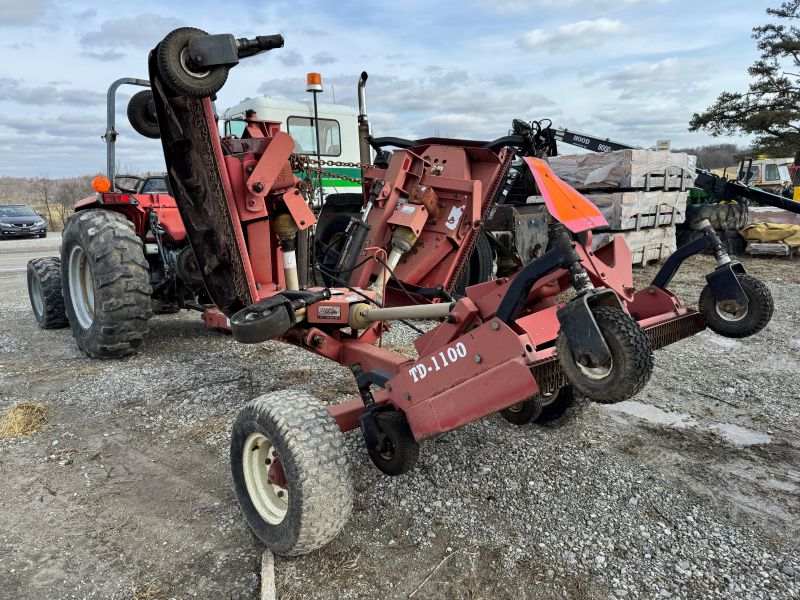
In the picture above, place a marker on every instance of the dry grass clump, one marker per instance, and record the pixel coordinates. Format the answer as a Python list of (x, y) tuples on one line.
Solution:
[(145, 593), (24, 418)]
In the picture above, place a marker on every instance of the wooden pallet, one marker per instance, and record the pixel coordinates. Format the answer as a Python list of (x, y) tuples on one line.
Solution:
[(626, 170), (646, 245), (638, 210)]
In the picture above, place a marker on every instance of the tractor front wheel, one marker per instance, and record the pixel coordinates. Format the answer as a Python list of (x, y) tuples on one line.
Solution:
[(734, 323), (180, 72), (106, 284), (629, 368), (44, 290), (290, 472)]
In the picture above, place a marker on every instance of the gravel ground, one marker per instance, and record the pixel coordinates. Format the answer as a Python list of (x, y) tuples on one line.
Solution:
[(689, 491)]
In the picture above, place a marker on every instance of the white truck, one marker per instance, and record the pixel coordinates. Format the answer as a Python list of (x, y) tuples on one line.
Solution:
[(338, 133)]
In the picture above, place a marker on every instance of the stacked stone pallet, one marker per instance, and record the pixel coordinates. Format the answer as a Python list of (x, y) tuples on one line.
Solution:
[(641, 193)]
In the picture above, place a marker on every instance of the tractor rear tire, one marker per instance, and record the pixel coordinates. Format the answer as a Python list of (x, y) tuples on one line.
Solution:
[(142, 116), (308, 502), (176, 68), (631, 359), (44, 291), (106, 284), (754, 318)]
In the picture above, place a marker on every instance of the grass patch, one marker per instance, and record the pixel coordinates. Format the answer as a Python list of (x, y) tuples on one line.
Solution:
[(145, 592), (24, 418)]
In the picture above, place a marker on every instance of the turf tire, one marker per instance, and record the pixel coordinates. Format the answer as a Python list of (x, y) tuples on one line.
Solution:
[(631, 355), (312, 451), (759, 310)]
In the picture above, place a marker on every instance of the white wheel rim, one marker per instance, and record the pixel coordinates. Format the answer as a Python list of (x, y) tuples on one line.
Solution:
[(81, 287), (731, 317), (597, 373), (270, 500), (187, 69), (36, 296)]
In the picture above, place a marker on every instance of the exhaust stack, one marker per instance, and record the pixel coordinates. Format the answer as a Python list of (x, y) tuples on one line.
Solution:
[(363, 122)]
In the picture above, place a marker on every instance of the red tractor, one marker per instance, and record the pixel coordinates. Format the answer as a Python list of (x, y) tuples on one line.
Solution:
[(570, 317), (124, 255)]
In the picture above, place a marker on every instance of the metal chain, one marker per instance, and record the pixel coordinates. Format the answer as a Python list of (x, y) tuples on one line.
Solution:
[(303, 162)]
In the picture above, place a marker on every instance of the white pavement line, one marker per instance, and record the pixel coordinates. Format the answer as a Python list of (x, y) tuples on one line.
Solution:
[(267, 576), (13, 270)]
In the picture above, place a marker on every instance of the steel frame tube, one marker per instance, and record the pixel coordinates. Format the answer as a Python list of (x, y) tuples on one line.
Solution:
[(420, 311), (110, 136)]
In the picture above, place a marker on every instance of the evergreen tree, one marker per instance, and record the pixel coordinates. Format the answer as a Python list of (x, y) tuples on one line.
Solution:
[(770, 109)]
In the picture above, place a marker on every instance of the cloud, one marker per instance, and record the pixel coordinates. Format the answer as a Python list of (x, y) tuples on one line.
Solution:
[(16, 91), (503, 79), (139, 31), (670, 77), (21, 12), (450, 102), (572, 36), (523, 6), (104, 55), (324, 58), (292, 58), (644, 124)]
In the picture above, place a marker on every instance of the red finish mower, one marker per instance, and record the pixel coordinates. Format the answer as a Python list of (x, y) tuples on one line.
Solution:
[(512, 343)]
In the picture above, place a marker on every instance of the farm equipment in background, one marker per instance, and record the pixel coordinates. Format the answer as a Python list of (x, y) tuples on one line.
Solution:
[(505, 345), (723, 202)]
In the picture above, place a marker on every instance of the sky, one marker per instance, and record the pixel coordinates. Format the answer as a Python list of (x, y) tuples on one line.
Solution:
[(631, 70)]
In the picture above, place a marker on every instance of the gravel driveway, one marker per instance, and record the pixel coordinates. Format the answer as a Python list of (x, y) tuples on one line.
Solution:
[(688, 491)]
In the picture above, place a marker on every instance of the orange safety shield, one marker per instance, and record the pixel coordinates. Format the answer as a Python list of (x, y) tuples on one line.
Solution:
[(567, 205)]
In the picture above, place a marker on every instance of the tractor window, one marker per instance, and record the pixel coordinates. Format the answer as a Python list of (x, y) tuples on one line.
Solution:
[(155, 185), (755, 173), (235, 128), (771, 173), (302, 131)]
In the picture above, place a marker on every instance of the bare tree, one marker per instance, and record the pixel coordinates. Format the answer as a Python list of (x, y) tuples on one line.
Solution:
[(68, 192), (44, 196)]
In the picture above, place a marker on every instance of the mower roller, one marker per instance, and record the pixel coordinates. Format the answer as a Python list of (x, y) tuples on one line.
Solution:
[(569, 321)]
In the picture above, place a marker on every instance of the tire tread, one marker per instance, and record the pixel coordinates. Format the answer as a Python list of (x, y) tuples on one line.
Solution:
[(48, 271)]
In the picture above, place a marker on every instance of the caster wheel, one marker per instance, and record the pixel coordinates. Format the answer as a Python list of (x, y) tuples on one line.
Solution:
[(523, 412), (290, 472), (738, 324), (556, 405), (180, 73), (398, 450), (262, 321), (629, 368), (142, 115)]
